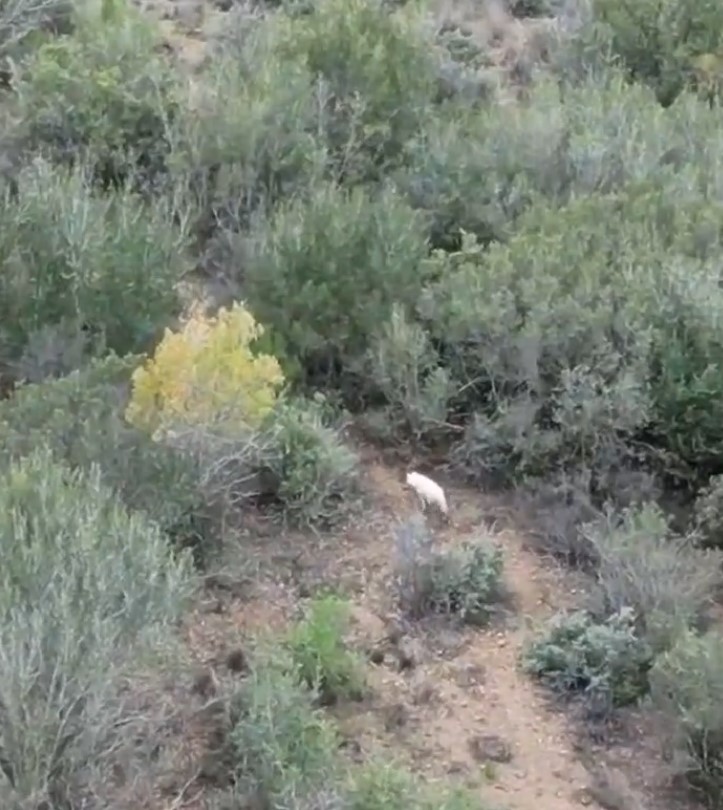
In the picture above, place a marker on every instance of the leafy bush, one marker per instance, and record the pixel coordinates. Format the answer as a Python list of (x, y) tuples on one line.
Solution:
[(708, 513), (287, 752), (284, 747), (609, 662), (107, 265), (315, 473), (254, 140), (376, 72), (383, 784), (405, 368), (687, 686), (329, 269), (465, 581), (551, 371), (103, 90), (558, 366), (80, 419), (206, 374), (320, 654), (641, 564), (474, 169), (83, 582), (660, 40)]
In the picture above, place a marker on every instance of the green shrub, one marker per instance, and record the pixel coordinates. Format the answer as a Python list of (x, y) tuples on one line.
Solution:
[(658, 41), (551, 369), (608, 661), (641, 564), (320, 654), (82, 584), (474, 169), (316, 475), (254, 140), (466, 581), (405, 369), (708, 513), (80, 419), (479, 168), (687, 686), (284, 747), (107, 265), (387, 785), (376, 73), (559, 366), (103, 90), (23, 24), (329, 269)]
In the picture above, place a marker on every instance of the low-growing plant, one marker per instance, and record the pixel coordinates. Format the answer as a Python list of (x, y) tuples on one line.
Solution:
[(393, 787), (607, 662), (687, 686), (640, 563), (106, 266), (103, 93), (315, 473), (284, 747), (465, 581), (83, 586), (320, 654)]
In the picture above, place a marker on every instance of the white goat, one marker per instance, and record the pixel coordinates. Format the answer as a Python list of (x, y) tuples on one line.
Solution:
[(428, 492)]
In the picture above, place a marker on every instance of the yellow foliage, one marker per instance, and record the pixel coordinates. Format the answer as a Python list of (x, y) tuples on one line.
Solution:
[(206, 374)]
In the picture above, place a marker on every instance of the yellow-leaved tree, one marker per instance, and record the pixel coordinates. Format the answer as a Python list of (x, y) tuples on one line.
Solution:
[(206, 375)]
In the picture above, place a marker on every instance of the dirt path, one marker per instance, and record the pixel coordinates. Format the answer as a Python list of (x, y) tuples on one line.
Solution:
[(465, 707), (449, 702)]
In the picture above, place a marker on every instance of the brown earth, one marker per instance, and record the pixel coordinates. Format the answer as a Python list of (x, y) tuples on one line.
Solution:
[(450, 702)]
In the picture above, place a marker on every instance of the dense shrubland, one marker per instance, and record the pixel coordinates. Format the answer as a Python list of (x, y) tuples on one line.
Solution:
[(522, 273)]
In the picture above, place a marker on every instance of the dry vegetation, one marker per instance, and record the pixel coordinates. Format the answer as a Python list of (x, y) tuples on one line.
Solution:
[(259, 259)]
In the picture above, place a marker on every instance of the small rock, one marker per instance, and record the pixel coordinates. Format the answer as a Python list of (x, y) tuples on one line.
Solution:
[(407, 656), (425, 693), (395, 634), (376, 656), (204, 684), (396, 716), (236, 661), (490, 748)]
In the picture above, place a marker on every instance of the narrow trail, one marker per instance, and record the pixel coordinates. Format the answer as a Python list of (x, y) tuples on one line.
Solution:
[(467, 703), (460, 707)]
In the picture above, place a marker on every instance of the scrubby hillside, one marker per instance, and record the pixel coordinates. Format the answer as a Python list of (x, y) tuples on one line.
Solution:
[(261, 259)]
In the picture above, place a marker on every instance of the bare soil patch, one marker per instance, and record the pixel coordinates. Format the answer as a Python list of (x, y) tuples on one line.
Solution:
[(449, 701)]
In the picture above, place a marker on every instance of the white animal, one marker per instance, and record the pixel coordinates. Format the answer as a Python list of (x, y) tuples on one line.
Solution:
[(428, 491)]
